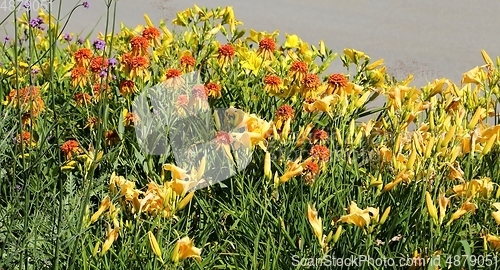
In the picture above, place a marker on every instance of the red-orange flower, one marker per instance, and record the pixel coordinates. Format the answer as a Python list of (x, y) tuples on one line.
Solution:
[(223, 137), (214, 90), (272, 84), (199, 92), (187, 62), (174, 78), (267, 47), (98, 64), (111, 137), (298, 70), (285, 112), (318, 135), (320, 152), (78, 76), (82, 98), (139, 45), (130, 119), (82, 56), (135, 65), (28, 99), (151, 33), (310, 171), (127, 87), (226, 53), (182, 101), (24, 138), (70, 147), (336, 81), (311, 82)]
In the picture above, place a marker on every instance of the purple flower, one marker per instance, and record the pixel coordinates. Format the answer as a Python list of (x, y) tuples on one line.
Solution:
[(99, 44), (41, 27), (27, 5), (103, 73), (80, 41), (68, 37), (86, 4), (34, 23), (112, 62), (34, 71), (37, 22), (7, 38)]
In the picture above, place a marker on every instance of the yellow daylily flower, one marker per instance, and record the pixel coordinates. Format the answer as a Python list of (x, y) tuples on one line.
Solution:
[(105, 203), (154, 246), (476, 75), (431, 207), (360, 217), (493, 240), (292, 42), (466, 207), (252, 62), (315, 221), (355, 55), (185, 249)]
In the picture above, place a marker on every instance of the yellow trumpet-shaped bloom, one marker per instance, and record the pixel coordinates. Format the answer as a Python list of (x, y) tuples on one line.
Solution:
[(154, 246), (466, 207), (185, 249), (360, 217), (315, 221), (431, 207), (496, 214)]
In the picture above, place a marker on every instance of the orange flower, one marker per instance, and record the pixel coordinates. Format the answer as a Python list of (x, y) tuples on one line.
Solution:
[(214, 90), (28, 99), (272, 84), (130, 119), (336, 81), (285, 112), (78, 76), (111, 137), (298, 70), (70, 147), (82, 56), (151, 33), (320, 152), (311, 169), (187, 62), (226, 53), (173, 78), (318, 135), (266, 47), (25, 138), (91, 122), (135, 66), (139, 45), (127, 87), (98, 64), (82, 98), (310, 82)]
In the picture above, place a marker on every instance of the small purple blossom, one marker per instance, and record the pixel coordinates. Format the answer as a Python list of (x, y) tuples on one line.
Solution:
[(86, 4), (68, 37), (99, 44), (35, 71), (112, 62), (7, 38), (36, 22), (103, 73), (80, 41), (27, 5), (41, 27)]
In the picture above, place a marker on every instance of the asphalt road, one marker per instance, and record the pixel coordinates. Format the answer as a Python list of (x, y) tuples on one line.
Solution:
[(428, 38)]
